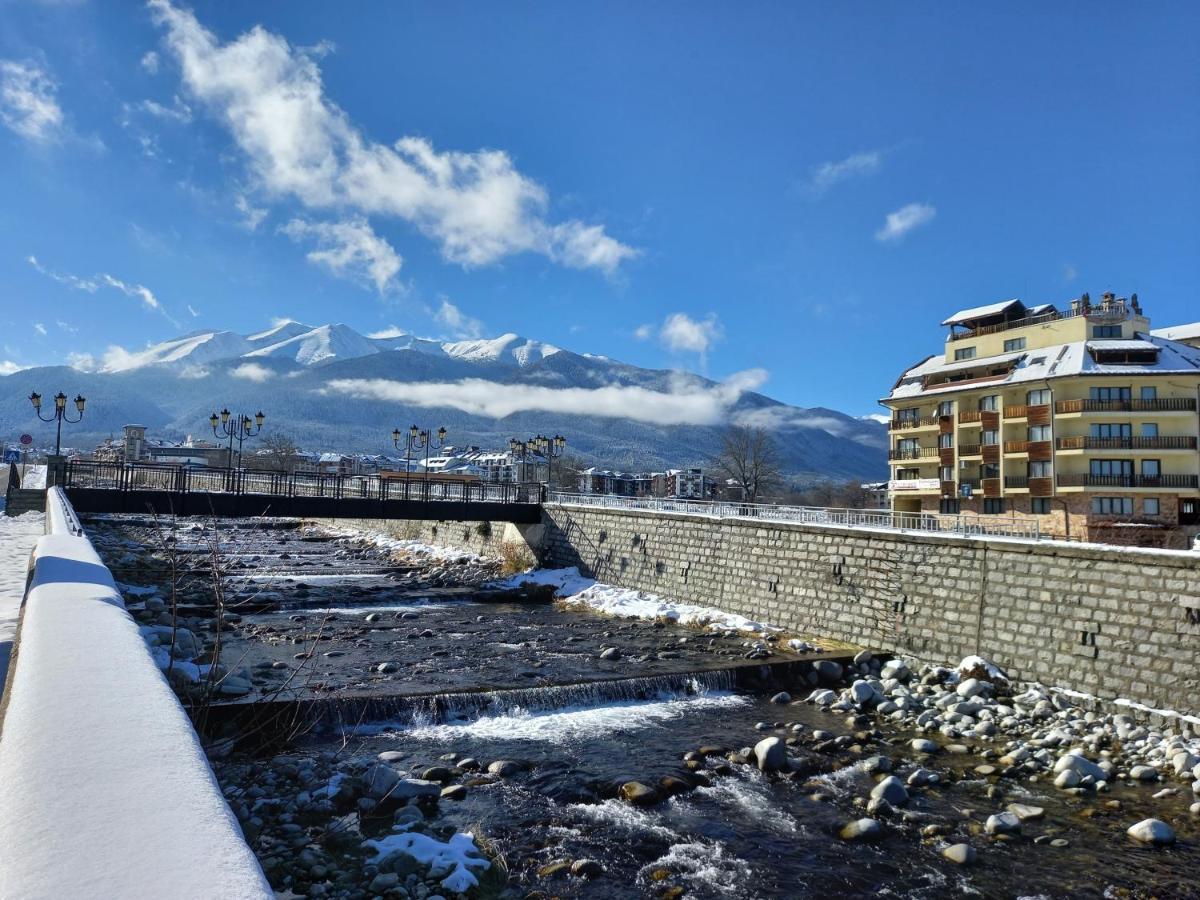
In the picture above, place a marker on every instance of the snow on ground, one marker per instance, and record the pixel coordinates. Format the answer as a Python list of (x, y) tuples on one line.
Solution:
[(575, 589), (405, 546), (18, 535), (34, 477), (455, 858)]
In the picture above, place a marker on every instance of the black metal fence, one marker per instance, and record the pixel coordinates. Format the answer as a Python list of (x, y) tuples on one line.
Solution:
[(262, 482)]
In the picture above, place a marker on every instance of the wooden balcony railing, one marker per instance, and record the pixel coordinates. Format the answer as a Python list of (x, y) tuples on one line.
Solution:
[(1167, 404), (913, 453), (1016, 481), (967, 416), (922, 422), (969, 450), (1117, 312), (1126, 443), (1129, 481)]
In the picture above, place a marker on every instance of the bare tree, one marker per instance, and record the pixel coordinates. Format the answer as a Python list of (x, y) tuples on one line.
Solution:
[(281, 452), (566, 473), (750, 457)]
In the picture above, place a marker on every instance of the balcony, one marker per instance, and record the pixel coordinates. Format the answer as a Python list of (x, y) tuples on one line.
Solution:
[(1130, 481), (1118, 312), (1167, 404), (970, 450), (922, 422), (915, 453), (969, 416), (1126, 443)]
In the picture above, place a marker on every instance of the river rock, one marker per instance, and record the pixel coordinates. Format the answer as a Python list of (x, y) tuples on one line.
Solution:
[(1067, 779), (894, 668), (1002, 823), (876, 765), (771, 754), (1152, 831), (1143, 773), (380, 780), (1081, 766), (503, 768), (960, 854), (861, 830), (638, 794), (387, 668), (610, 653), (586, 868), (892, 790), (924, 745), (1026, 812), (782, 697), (828, 670), (454, 792), (972, 687)]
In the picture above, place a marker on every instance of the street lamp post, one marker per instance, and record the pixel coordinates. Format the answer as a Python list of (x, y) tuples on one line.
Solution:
[(550, 447), (522, 450), (235, 428), (60, 414), (417, 439)]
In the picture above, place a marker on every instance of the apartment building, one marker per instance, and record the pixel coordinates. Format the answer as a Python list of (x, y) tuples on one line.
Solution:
[(1082, 418)]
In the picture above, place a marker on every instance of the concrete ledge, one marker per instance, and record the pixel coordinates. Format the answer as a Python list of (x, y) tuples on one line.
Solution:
[(105, 790)]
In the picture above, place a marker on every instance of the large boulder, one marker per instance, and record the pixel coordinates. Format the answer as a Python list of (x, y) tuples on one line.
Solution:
[(771, 754), (1152, 831)]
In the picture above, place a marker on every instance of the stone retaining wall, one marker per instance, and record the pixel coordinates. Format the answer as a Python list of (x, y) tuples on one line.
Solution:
[(1110, 621), (482, 538)]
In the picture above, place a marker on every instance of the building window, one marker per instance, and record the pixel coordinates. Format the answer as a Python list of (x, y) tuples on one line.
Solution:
[(1150, 506), (910, 416), (989, 470), (1106, 331), (1112, 506), (946, 473), (1040, 506), (908, 445), (1151, 468), (1014, 344), (1110, 393), (1150, 429), (989, 437), (946, 408), (908, 474), (961, 353), (950, 507), (945, 441), (993, 506), (1108, 467), (990, 403), (1111, 430), (1149, 392), (1039, 468), (1039, 432), (1038, 398)]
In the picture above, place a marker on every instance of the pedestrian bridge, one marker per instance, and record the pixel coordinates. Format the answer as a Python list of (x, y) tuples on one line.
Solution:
[(188, 491)]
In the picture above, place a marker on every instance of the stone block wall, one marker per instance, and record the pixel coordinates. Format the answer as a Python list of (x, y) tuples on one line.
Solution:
[(481, 538), (1111, 621)]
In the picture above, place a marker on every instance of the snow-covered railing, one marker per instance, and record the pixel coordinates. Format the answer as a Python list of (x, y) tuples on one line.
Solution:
[(105, 790), (1008, 526)]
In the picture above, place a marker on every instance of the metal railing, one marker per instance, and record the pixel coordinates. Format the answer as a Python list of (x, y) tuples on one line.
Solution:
[(898, 424), (1166, 404), (191, 480), (1117, 312), (913, 453), (1007, 526), (1129, 481), (1127, 443)]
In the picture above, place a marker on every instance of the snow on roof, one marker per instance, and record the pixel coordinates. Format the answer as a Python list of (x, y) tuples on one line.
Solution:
[(1041, 309), (1122, 345), (1178, 332), (981, 312), (1056, 361)]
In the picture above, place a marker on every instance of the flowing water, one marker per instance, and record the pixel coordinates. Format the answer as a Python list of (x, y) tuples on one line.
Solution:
[(497, 679)]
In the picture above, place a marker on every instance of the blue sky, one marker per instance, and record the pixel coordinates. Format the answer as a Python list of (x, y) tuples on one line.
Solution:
[(806, 188)]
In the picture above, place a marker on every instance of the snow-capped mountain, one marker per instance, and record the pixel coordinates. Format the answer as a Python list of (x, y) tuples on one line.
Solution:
[(330, 387)]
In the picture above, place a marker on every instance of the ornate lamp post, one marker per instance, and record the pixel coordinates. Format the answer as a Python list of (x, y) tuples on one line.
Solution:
[(60, 414), (522, 450), (550, 447), (417, 439), (235, 427)]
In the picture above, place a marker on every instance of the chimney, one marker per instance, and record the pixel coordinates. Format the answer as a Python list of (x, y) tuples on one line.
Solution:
[(1076, 306), (1133, 301)]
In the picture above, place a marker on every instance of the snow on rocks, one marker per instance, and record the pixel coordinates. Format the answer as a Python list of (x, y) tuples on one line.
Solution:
[(454, 859)]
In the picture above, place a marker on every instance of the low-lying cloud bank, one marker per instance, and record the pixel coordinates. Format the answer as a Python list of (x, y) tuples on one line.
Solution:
[(688, 402)]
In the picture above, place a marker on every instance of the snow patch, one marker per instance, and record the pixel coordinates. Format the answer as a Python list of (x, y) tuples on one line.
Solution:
[(455, 858)]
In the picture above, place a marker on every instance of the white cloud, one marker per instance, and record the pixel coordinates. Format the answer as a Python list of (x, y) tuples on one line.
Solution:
[(904, 220), (252, 372), (150, 62), (27, 101), (252, 216), (194, 371), (680, 332), (94, 283), (117, 358), (459, 323), (644, 332), (391, 331), (66, 326), (1069, 273), (194, 313), (349, 249), (39, 328), (84, 362), (178, 111), (826, 175), (689, 402), (301, 144), (8, 367)]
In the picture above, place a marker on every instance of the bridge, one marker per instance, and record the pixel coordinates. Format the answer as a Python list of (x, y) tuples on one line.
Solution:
[(94, 487)]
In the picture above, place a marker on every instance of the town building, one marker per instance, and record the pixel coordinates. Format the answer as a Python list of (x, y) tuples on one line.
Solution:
[(1082, 418)]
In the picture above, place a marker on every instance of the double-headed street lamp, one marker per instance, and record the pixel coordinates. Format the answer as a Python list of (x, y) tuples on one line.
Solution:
[(550, 447), (60, 413), (235, 427), (417, 439)]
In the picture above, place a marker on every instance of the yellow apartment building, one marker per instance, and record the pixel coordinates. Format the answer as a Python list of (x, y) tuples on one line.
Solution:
[(1082, 417)]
